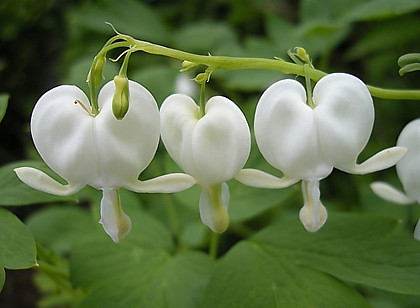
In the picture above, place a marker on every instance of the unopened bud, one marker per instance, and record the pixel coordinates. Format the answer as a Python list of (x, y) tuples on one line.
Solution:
[(201, 78), (120, 101), (188, 66), (95, 75)]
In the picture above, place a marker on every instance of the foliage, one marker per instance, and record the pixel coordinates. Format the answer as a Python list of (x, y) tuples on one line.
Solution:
[(364, 256)]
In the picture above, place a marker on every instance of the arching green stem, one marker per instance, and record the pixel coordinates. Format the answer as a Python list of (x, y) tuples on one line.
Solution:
[(239, 63)]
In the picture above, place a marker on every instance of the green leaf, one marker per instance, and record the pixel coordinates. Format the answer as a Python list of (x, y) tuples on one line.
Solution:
[(2, 276), (4, 99), (13, 192), (58, 227), (252, 276), (376, 9), (248, 202), (17, 246), (146, 278), (353, 247), (190, 37), (128, 16)]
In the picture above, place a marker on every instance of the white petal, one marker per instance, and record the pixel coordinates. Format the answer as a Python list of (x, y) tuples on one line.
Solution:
[(221, 142), (179, 115), (42, 182), (213, 207), (168, 183), (390, 193), (213, 148), (286, 133), (261, 179), (62, 133), (417, 231), (344, 115), (114, 221), (382, 160), (408, 169), (313, 214), (125, 147)]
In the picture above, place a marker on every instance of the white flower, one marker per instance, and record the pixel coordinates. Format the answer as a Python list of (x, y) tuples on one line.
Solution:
[(306, 143), (212, 149), (100, 150), (408, 171)]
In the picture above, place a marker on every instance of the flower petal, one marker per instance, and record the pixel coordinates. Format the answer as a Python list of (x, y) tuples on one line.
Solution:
[(382, 160), (178, 116), (313, 214), (61, 128), (39, 180), (213, 207), (125, 147), (212, 148), (221, 142), (408, 169), (286, 132), (258, 178), (168, 183), (344, 115), (390, 193), (114, 221), (417, 231)]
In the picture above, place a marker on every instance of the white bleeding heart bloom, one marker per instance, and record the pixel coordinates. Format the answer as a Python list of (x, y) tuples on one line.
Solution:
[(408, 171), (306, 143), (99, 151), (212, 149)]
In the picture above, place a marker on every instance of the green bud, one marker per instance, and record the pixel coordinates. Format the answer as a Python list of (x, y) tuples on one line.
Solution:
[(188, 66), (201, 78), (120, 101), (409, 59), (95, 75)]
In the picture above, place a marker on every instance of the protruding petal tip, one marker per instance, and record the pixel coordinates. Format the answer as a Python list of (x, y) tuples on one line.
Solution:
[(213, 207), (382, 160), (113, 219), (168, 183), (313, 214), (390, 193), (261, 179), (40, 181)]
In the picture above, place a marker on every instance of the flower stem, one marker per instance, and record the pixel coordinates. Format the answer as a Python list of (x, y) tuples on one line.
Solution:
[(239, 63)]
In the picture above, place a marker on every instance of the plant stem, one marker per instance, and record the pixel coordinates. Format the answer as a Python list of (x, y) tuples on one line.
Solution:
[(239, 63)]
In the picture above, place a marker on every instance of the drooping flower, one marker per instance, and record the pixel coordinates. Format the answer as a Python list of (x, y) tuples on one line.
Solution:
[(212, 149), (306, 141), (408, 171), (99, 151)]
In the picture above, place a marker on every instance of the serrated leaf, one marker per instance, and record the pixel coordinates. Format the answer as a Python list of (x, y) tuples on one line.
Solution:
[(13, 192), (4, 99), (17, 246), (252, 276), (353, 247)]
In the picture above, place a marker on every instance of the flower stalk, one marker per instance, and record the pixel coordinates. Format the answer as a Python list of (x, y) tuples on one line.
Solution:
[(239, 63)]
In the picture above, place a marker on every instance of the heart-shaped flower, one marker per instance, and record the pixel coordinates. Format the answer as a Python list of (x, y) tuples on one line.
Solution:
[(408, 171), (212, 148), (100, 150), (306, 142)]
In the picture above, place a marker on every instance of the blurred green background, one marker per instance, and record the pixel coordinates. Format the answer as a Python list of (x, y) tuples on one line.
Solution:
[(45, 43)]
